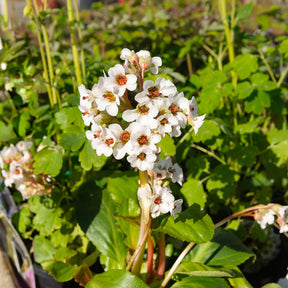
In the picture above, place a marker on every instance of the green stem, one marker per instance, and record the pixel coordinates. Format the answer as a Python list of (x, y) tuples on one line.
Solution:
[(282, 77), (267, 66), (80, 38), (6, 14), (43, 58), (176, 264), (189, 64), (184, 137), (210, 153), (74, 43), (228, 33)]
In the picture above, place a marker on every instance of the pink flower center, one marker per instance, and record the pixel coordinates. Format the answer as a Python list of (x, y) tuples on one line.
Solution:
[(125, 136), (173, 108), (109, 96), (142, 140), (121, 80), (143, 109), (109, 141), (154, 93), (158, 200), (142, 156)]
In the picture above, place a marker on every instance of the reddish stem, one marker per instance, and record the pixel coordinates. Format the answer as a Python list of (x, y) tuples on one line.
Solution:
[(161, 253), (150, 250)]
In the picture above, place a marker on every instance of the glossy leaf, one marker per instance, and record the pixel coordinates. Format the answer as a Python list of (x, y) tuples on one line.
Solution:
[(201, 282), (224, 249), (95, 210), (116, 279), (192, 225)]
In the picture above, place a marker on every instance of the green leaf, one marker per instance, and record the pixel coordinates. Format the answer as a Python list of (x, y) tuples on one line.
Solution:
[(48, 162), (192, 225), (224, 249), (24, 123), (261, 81), (197, 269), (210, 100), (6, 132), (244, 155), (48, 215), (281, 152), (94, 211), (63, 272), (194, 192), (283, 48), (22, 220), (249, 127), (201, 282), (89, 158), (244, 90), (257, 102), (122, 186), (222, 183), (167, 146), (238, 280), (116, 279), (68, 116), (43, 249), (244, 65), (72, 138), (275, 136), (208, 131), (272, 285), (128, 218), (64, 253), (244, 11)]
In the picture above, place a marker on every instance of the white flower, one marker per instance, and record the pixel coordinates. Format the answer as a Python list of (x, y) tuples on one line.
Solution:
[(197, 122), (154, 92), (129, 56), (120, 81), (87, 114), (155, 63), (123, 140), (86, 98), (144, 114), (264, 217), (193, 108), (162, 201), (143, 160), (144, 60), (104, 144), (166, 123), (178, 107), (176, 174), (105, 98), (177, 208), (143, 137)]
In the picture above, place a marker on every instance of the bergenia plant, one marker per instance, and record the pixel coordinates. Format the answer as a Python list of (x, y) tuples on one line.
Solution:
[(129, 116)]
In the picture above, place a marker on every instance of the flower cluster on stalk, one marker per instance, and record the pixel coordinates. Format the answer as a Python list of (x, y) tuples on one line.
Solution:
[(16, 168), (273, 214), (130, 115)]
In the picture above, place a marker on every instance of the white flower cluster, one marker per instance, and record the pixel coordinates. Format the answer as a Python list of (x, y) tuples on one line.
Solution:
[(120, 129), (16, 169), (267, 216), (131, 124)]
